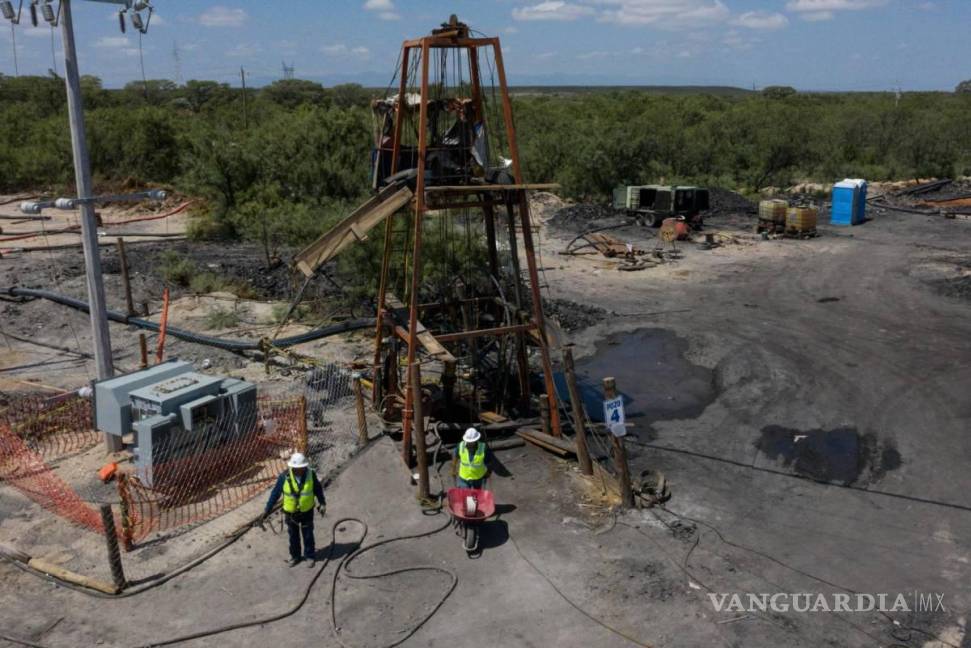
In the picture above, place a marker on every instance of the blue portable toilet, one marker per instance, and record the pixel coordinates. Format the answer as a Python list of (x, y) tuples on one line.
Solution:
[(849, 202)]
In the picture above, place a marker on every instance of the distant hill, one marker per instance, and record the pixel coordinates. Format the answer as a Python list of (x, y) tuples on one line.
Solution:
[(648, 89)]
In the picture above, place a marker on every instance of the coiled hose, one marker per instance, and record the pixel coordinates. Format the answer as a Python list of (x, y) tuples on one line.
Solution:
[(234, 345)]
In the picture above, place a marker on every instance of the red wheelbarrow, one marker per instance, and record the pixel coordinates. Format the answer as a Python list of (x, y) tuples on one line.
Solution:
[(470, 507)]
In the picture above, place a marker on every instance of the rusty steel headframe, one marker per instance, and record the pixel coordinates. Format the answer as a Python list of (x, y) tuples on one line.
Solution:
[(429, 195)]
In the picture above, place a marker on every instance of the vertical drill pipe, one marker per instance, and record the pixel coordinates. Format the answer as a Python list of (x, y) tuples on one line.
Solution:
[(528, 241), (416, 255), (544, 413), (111, 540), (490, 227), (125, 279), (399, 115), (163, 326), (522, 361), (142, 351), (579, 424), (420, 450), (620, 452), (361, 418)]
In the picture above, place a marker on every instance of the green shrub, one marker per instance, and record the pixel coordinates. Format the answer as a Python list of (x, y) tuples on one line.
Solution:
[(176, 269), (221, 318)]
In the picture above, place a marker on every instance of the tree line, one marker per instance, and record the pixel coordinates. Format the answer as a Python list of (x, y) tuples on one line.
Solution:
[(282, 162)]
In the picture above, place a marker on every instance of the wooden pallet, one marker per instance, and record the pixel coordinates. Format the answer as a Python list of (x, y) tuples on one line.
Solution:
[(792, 232)]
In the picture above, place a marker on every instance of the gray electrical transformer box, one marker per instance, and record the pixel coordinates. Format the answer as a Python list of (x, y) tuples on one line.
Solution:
[(174, 412)]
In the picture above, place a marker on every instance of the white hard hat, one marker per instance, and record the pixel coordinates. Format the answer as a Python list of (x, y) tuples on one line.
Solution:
[(471, 435), (297, 460)]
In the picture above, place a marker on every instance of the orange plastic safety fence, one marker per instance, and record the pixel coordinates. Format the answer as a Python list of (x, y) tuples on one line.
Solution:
[(225, 467), (24, 469), (52, 426)]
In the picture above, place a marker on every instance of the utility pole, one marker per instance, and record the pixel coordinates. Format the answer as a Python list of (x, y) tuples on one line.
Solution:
[(13, 42), (89, 226), (242, 76)]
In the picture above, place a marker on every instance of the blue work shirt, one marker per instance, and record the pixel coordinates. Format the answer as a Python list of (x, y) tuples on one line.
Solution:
[(278, 488)]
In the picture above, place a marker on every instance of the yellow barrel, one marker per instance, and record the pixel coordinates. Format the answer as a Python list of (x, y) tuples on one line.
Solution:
[(801, 219), (773, 210)]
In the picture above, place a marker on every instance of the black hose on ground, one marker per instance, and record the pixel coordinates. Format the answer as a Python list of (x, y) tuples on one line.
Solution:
[(342, 566), (227, 344)]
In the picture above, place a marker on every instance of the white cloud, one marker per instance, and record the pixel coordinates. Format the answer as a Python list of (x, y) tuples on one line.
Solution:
[(820, 6), (342, 50), (817, 16), (511, 29), (665, 14), (220, 16), (761, 20), (384, 8), (552, 10), (927, 6), (586, 56), (112, 42)]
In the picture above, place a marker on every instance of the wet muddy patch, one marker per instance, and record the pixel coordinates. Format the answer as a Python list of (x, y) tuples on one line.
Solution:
[(948, 275), (841, 455), (653, 373)]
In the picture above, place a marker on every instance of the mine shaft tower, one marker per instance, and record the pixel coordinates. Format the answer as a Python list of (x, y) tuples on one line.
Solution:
[(444, 138)]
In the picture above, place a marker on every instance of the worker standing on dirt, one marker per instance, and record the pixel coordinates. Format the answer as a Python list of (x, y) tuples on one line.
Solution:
[(300, 489), (472, 458)]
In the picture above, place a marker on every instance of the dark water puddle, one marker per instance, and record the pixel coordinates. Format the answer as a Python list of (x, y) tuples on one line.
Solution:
[(657, 381), (840, 455)]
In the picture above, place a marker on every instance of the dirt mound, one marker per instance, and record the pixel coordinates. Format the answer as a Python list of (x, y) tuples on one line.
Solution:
[(725, 201)]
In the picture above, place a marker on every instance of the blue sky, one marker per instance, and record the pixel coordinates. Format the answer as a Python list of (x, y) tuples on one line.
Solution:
[(809, 44)]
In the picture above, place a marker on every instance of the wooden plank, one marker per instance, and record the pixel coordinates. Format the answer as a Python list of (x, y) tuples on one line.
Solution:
[(543, 186), (492, 417), (558, 445), (66, 575), (353, 228), (502, 330), (424, 336)]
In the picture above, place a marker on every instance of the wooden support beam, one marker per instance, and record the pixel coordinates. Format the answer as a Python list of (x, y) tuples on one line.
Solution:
[(424, 336), (620, 452), (421, 452), (353, 228), (579, 420), (557, 445), (500, 330), (475, 188)]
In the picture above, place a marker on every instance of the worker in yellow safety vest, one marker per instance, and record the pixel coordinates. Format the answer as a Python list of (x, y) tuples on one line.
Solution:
[(471, 460), (300, 488)]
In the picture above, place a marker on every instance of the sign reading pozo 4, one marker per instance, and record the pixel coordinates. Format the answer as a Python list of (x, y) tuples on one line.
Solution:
[(614, 416)]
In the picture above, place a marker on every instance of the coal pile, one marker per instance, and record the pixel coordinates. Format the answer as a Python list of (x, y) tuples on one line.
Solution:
[(571, 315), (584, 217), (724, 202)]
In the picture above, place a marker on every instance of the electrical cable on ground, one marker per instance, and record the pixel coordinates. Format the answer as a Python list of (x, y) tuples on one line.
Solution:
[(190, 336), (619, 633), (772, 471)]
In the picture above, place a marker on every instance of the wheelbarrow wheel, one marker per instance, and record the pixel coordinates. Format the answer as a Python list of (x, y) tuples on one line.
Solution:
[(471, 538)]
